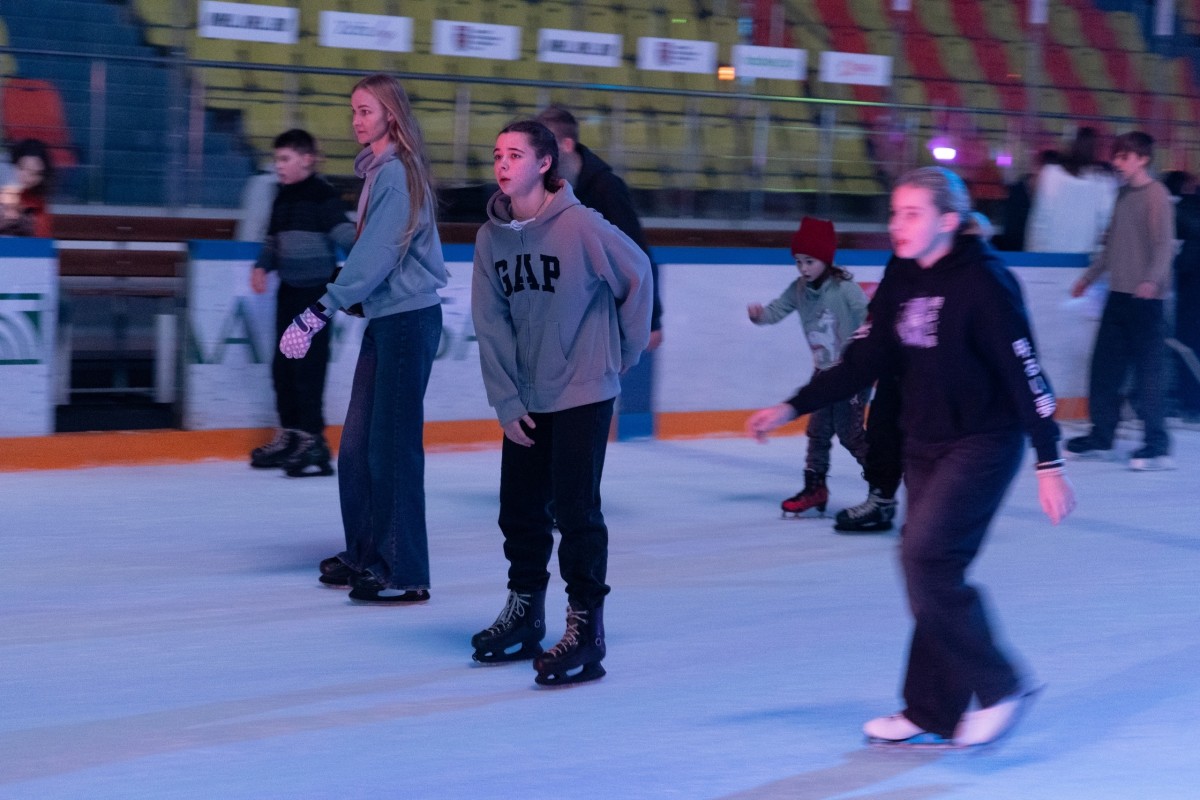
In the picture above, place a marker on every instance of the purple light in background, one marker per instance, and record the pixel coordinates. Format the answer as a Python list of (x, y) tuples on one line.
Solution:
[(944, 152), (1004, 159)]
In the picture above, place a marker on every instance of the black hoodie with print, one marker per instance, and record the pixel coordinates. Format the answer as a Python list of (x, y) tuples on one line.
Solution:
[(958, 335)]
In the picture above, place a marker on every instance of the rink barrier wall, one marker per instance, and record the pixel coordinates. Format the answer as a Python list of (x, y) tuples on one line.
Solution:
[(714, 368)]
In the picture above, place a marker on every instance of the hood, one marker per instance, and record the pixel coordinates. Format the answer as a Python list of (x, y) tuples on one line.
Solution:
[(366, 163), (968, 249), (499, 209)]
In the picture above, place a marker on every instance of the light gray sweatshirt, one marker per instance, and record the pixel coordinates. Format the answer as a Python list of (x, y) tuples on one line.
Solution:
[(385, 272), (561, 305), (1141, 241), (830, 314)]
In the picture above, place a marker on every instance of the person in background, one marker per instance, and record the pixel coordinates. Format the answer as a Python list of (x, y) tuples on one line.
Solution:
[(1073, 200), (394, 271), (950, 321), (1182, 186), (1018, 203), (24, 203), (308, 225), (599, 188), (1137, 256)]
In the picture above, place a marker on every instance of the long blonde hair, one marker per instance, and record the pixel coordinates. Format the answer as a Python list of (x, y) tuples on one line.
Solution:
[(404, 132)]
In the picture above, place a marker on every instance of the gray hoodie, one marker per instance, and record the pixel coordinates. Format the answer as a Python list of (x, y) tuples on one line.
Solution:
[(384, 272), (561, 305), (830, 314)]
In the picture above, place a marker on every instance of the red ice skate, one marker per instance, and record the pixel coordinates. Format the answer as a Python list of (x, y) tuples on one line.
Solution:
[(813, 495)]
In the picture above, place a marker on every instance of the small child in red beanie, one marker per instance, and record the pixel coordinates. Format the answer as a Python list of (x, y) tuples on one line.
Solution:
[(831, 307)]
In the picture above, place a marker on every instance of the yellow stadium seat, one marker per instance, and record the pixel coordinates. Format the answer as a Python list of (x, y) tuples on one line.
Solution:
[(936, 17), (870, 14), (1064, 26), (1128, 31), (1003, 20)]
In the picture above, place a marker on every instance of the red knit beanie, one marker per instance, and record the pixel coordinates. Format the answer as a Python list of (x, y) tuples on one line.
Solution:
[(816, 238)]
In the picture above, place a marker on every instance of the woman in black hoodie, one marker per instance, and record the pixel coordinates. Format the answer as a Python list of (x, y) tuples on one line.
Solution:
[(950, 318)]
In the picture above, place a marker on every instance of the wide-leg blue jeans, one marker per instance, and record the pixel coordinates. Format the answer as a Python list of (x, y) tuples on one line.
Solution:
[(381, 461)]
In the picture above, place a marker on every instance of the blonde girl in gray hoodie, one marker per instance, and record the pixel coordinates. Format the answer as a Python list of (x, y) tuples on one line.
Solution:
[(561, 303), (392, 274)]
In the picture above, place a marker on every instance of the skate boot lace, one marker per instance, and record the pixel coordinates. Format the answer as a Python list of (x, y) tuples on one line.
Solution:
[(862, 509), (513, 609), (575, 618)]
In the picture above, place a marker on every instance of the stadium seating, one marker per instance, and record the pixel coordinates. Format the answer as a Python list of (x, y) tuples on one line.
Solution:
[(972, 55)]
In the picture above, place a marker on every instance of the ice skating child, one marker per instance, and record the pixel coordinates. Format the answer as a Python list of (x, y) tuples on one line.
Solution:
[(308, 224), (394, 271), (950, 319), (561, 302), (831, 307)]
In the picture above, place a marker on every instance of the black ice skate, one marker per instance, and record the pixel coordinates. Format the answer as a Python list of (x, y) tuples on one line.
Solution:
[(813, 495), (522, 623), (575, 659), (276, 452), (1090, 447), (873, 515), (310, 459), (336, 574)]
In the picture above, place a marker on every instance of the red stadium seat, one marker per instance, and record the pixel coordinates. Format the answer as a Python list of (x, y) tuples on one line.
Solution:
[(33, 109)]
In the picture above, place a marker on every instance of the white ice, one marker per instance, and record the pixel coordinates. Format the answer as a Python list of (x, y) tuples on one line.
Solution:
[(163, 635)]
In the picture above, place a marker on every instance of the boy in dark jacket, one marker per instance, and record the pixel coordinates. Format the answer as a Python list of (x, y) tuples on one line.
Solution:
[(308, 224)]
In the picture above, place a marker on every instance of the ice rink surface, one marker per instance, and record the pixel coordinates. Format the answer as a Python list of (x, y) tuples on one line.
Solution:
[(164, 636)]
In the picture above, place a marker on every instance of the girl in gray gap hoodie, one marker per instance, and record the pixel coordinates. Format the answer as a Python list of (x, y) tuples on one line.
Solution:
[(561, 302)]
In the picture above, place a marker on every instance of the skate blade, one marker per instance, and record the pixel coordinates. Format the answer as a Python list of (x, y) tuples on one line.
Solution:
[(1093, 455), (341, 586), (884, 528), (489, 659), (321, 472), (801, 514), (922, 741), (562, 680)]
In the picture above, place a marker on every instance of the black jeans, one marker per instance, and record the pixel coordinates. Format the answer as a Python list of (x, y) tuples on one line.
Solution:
[(564, 463), (300, 382), (1187, 331), (954, 490), (884, 465), (1130, 336)]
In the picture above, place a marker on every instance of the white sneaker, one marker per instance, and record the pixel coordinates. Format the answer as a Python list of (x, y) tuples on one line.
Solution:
[(1152, 464), (895, 729), (987, 725)]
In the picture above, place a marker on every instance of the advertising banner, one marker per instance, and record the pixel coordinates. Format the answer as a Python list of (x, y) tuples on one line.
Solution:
[(249, 22), (476, 40), (584, 48), (366, 32), (677, 55), (779, 63), (28, 325), (231, 343), (856, 68)]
